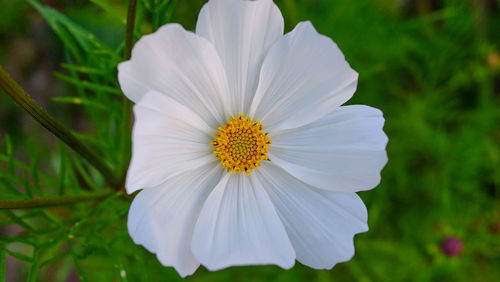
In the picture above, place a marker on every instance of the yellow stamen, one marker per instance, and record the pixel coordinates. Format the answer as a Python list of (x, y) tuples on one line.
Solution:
[(240, 145)]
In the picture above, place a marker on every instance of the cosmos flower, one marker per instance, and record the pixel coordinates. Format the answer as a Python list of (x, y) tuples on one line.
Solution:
[(241, 147)]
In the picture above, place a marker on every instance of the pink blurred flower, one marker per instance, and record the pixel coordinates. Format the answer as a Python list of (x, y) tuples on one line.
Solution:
[(452, 246)]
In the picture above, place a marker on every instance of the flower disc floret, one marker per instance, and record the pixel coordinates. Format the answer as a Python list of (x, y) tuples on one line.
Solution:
[(241, 144)]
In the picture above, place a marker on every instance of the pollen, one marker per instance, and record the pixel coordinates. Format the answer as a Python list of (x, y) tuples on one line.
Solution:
[(241, 144)]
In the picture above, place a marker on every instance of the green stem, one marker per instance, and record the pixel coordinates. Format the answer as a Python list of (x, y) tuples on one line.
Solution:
[(53, 201), (127, 104), (40, 115), (3, 268), (129, 33)]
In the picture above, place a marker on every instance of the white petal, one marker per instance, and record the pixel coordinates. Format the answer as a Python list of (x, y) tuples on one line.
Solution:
[(242, 32), (181, 65), (304, 76), (344, 151), (238, 225), (320, 224), (162, 219), (167, 139)]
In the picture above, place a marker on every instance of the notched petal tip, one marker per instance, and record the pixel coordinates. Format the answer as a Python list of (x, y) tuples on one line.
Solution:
[(321, 225), (346, 258), (178, 64), (242, 32), (162, 218), (238, 225), (326, 80)]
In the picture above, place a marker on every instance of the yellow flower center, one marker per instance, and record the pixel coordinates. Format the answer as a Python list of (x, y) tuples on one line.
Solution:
[(240, 145)]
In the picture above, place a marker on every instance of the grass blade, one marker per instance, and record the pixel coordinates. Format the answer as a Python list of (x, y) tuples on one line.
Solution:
[(3, 262)]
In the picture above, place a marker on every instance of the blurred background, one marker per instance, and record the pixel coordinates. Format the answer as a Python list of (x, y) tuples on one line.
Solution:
[(432, 67)]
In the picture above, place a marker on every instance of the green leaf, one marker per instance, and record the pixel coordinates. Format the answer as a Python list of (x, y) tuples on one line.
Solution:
[(3, 262), (170, 11), (12, 179), (79, 269), (33, 165), (39, 114), (54, 259), (8, 185), (147, 4), (18, 220), (110, 10), (85, 69), (78, 40), (94, 140), (62, 169), (27, 186), (10, 154), (84, 173), (84, 84), (32, 275), (79, 101), (71, 180), (57, 22), (19, 255), (26, 168), (25, 239)]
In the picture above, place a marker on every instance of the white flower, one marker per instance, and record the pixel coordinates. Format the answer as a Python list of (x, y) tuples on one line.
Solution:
[(216, 191)]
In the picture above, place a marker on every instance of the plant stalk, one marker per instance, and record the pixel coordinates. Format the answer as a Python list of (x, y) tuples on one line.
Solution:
[(127, 104), (25, 101), (129, 32)]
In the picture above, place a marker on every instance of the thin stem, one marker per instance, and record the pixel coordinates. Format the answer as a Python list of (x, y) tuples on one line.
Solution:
[(129, 33), (3, 262), (53, 201), (127, 104), (25, 101)]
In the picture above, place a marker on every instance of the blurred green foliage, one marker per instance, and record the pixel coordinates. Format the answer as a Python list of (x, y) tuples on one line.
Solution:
[(432, 66)]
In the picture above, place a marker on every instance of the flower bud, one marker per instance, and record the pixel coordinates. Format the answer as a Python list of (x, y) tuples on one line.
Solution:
[(452, 246)]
